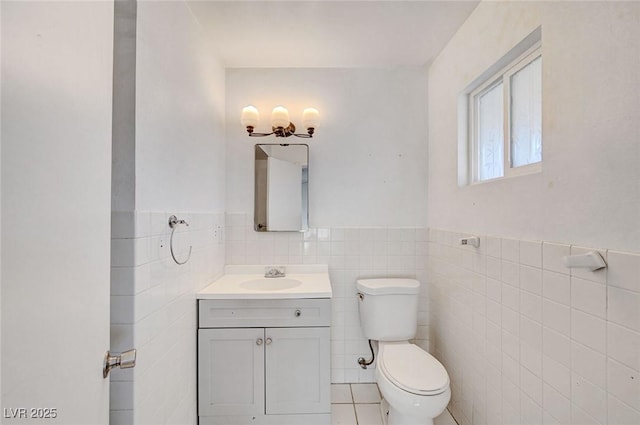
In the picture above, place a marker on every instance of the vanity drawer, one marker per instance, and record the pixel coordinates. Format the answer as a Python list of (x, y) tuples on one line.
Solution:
[(264, 313)]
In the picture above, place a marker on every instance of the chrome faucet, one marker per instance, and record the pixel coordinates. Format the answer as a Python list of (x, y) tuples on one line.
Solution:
[(270, 272)]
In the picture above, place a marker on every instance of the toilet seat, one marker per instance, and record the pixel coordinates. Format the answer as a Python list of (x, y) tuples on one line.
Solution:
[(413, 370)]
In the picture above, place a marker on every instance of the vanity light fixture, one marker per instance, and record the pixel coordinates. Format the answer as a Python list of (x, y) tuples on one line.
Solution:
[(280, 124)]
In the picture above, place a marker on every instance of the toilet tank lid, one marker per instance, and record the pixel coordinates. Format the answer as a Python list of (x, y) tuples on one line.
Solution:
[(388, 286)]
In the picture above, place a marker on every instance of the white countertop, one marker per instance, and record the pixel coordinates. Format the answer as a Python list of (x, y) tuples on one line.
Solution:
[(314, 278)]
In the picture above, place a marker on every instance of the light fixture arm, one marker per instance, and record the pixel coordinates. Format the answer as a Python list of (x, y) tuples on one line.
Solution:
[(290, 130)]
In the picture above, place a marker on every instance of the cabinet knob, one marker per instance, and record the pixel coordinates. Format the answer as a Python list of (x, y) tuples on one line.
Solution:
[(259, 341), (298, 313), (268, 341)]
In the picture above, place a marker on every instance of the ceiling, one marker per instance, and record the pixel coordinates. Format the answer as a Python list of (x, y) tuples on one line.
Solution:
[(336, 34)]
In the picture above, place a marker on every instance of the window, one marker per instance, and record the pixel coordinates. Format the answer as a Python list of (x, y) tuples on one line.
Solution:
[(505, 113)]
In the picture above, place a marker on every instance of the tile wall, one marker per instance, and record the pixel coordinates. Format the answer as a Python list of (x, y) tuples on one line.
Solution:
[(153, 308), (351, 253), (528, 341)]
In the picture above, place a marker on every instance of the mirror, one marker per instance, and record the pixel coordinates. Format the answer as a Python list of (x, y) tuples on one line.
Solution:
[(281, 188)]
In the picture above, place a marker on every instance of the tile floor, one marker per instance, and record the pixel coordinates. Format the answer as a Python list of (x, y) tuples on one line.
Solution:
[(359, 404)]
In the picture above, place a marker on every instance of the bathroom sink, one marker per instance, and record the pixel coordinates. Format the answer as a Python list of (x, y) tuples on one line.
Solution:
[(248, 282), (272, 284)]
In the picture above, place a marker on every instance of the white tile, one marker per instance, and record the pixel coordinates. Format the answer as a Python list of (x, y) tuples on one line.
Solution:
[(343, 414), (510, 369), (337, 234), (510, 297), (556, 404), (531, 385), (552, 254), (493, 246), (143, 224), (623, 345), (531, 358), (556, 346), (580, 417), (531, 332), (341, 393), (510, 321), (589, 397), (121, 395), (620, 413), (121, 417), (556, 375), (324, 235), (589, 330), (623, 383), (122, 280), (595, 276), (510, 344), (589, 364), (624, 307), (122, 225), (122, 253), (510, 273), (494, 268), (623, 270), (531, 279), (590, 297), (531, 411), (556, 316), (368, 414), (365, 393), (531, 253), (556, 287), (122, 311), (510, 250), (494, 290), (531, 306)]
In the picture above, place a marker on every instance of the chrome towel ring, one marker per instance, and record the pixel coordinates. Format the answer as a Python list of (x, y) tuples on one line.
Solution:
[(173, 223)]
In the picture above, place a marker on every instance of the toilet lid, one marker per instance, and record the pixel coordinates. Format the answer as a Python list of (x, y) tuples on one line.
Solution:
[(413, 369)]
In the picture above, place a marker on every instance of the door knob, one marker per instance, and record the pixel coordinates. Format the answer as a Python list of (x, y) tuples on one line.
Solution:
[(268, 341), (125, 360)]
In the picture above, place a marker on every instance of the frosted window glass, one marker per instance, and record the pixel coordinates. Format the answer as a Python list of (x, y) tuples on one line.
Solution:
[(490, 134), (526, 115)]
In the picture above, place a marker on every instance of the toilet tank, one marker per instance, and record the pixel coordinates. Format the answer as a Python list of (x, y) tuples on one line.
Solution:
[(388, 308)]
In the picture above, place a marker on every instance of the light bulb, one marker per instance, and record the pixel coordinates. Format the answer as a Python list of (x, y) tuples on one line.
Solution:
[(310, 118), (280, 117), (250, 116)]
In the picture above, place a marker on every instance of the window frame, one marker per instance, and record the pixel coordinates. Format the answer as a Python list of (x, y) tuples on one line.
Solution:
[(502, 76)]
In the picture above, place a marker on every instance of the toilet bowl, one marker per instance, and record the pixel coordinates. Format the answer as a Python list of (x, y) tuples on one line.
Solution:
[(413, 383)]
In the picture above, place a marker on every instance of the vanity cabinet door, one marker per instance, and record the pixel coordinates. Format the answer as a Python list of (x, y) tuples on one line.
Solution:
[(297, 370), (231, 371)]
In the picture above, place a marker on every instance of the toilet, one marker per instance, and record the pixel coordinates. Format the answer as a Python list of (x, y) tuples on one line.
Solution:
[(414, 384)]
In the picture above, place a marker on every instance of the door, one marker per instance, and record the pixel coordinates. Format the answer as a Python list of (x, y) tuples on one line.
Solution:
[(56, 201), (231, 371), (298, 370)]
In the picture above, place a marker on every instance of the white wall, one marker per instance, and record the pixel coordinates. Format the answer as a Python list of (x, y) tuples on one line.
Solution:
[(179, 165), (368, 157), (56, 151), (180, 150), (588, 191), (525, 339)]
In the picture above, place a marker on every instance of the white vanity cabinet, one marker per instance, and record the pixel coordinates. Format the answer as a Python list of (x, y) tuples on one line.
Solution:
[(264, 361)]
